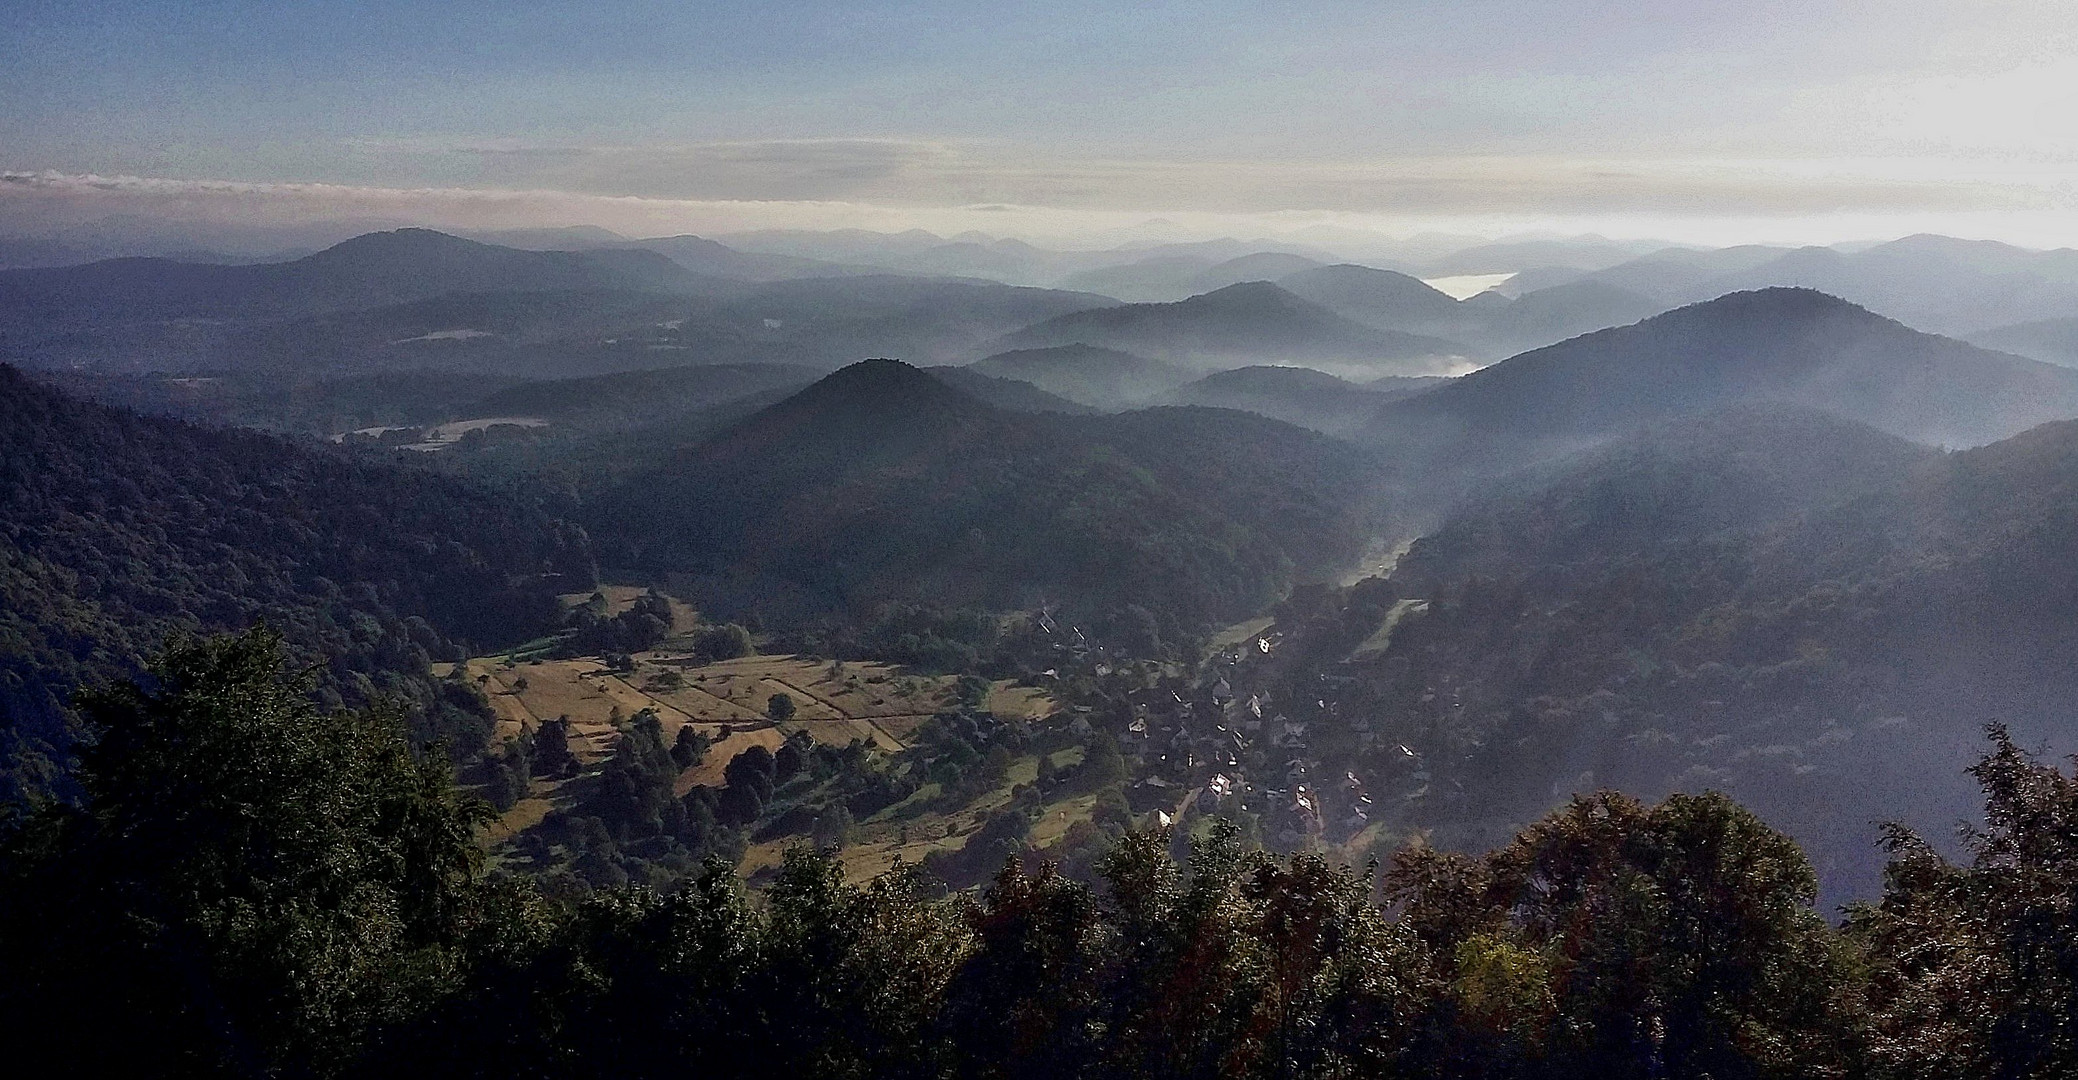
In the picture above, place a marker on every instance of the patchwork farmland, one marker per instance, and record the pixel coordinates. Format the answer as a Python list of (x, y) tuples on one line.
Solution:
[(727, 701)]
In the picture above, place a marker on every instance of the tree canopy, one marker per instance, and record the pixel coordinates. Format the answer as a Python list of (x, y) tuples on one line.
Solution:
[(253, 885)]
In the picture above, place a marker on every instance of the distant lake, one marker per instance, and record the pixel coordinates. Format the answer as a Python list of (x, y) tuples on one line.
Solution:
[(1460, 286)]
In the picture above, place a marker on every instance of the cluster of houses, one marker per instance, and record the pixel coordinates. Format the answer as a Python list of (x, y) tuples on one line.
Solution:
[(1224, 740), (1212, 746)]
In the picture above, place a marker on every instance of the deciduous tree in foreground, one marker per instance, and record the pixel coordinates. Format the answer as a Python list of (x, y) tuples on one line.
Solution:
[(246, 885)]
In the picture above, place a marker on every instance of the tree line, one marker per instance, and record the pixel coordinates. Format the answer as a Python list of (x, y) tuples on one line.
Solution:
[(117, 530), (251, 885)]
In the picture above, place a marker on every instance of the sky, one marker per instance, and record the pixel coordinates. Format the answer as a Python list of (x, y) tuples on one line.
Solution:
[(1723, 121)]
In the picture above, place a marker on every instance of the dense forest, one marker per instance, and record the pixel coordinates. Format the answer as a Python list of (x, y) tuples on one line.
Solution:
[(881, 484), (118, 530), (1778, 345), (318, 906), (1796, 609)]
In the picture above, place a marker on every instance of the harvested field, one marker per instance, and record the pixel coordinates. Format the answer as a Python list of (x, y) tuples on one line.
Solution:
[(524, 815), (709, 771), (1059, 818), (727, 701), (835, 703)]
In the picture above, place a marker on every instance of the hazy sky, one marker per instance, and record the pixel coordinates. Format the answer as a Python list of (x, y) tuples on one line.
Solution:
[(1717, 120)]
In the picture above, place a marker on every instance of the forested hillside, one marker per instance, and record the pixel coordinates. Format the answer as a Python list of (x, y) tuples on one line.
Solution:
[(1295, 395), (1250, 323), (631, 399), (1774, 345), (1100, 378), (882, 484), (1808, 614), (117, 530)]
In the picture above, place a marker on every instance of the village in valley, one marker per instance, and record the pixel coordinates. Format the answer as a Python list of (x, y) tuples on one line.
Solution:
[(1077, 741)]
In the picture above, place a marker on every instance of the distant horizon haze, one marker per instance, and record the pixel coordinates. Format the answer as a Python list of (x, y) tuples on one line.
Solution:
[(1065, 122)]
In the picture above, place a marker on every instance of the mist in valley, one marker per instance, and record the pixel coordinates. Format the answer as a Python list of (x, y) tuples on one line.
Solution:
[(1479, 542)]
